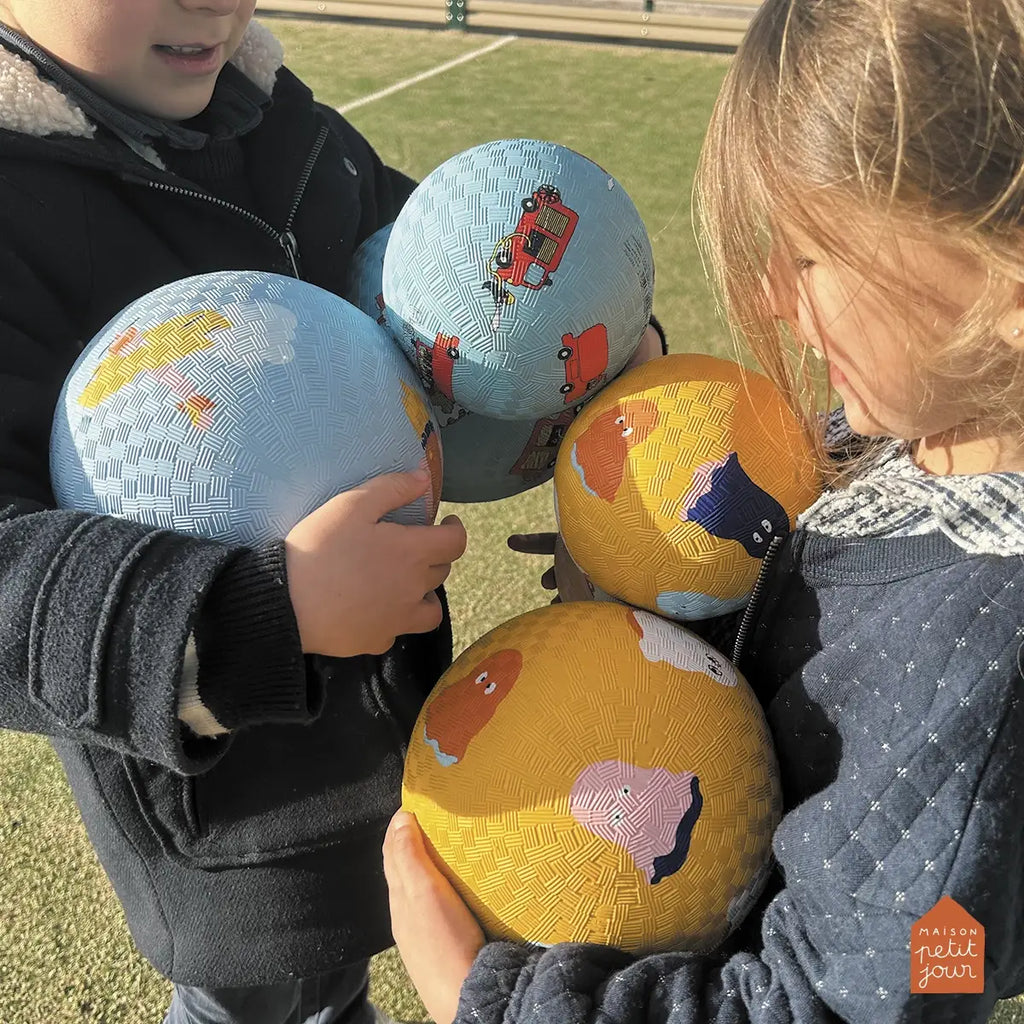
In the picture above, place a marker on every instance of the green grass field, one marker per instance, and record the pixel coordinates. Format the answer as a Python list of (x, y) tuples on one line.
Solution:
[(65, 953)]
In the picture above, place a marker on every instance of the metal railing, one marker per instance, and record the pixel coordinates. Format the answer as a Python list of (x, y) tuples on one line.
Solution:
[(708, 24)]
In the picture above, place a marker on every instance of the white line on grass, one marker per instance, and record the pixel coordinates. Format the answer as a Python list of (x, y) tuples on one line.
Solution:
[(424, 75)]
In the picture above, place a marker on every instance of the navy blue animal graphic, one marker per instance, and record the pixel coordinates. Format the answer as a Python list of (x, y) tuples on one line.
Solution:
[(728, 504), (672, 861)]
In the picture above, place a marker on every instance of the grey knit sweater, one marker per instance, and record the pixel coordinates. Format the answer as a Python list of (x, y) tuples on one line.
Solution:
[(885, 648)]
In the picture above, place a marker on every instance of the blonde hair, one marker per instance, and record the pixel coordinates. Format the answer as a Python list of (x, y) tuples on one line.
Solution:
[(911, 111)]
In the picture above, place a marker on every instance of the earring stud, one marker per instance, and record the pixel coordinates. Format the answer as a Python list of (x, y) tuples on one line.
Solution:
[(1015, 333)]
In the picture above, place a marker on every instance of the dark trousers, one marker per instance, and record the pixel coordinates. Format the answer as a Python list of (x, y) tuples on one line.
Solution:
[(336, 998)]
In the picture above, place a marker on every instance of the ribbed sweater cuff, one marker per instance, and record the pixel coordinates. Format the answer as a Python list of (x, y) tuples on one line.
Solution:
[(251, 666)]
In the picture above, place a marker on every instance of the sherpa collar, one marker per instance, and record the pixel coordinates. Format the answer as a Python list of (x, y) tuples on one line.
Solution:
[(31, 105)]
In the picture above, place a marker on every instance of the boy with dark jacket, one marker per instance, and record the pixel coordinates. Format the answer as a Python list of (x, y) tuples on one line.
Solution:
[(233, 722)]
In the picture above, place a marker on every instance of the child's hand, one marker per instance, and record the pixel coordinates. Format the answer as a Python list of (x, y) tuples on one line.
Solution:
[(356, 583), (434, 930), (565, 575)]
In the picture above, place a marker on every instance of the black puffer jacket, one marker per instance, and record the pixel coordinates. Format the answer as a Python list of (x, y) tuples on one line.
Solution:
[(254, 857)]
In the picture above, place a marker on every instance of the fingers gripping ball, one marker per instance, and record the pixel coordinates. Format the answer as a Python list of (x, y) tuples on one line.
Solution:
[(591, 772), (671, 484), (485, 459), (518, 278), (230, 405)]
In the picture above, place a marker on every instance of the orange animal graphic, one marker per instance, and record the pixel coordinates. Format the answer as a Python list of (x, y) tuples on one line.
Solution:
[(459, 712), (600, 452), (419, 417), (154, 351)]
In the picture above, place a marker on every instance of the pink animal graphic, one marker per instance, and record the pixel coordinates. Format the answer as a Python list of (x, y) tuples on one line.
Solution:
[(648, 812)]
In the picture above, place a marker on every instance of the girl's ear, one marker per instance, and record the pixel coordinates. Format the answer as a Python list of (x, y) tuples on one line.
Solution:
[(1010, 326)]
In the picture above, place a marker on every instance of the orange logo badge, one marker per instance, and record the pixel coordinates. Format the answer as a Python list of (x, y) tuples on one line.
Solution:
[(947, 951)]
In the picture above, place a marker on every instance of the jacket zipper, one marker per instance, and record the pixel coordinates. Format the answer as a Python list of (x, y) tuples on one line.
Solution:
[(285, 237), (755, 592)]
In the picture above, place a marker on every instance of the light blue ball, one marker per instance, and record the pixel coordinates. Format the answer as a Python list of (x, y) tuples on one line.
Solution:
[(364, 287), (230, 405), (485, 459), (488, 459), (518, 278)]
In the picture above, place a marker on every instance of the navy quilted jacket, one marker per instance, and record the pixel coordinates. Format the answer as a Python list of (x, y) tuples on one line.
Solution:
[(890, 673)]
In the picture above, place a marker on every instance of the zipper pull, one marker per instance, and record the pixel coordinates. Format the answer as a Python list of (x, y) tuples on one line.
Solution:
[(291, 249), (747, 618)]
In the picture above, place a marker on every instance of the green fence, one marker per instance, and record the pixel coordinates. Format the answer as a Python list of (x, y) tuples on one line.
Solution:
[(712, 24)]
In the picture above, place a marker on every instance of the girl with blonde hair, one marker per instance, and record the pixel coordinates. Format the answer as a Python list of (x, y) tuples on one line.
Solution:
[(860, 192)]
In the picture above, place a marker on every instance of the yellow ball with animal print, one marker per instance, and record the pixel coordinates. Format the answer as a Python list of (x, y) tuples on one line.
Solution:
[(673, 483), (596, 773)]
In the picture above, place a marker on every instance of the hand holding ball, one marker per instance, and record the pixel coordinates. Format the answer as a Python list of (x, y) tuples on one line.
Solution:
[(237, 406)]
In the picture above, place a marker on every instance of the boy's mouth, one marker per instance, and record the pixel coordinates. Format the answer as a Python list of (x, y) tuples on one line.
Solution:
[(191, 50), (193, 58)]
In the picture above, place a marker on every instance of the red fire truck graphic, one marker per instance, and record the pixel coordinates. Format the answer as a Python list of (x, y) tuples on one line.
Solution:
[(539, 240), (538, 456), (586, 359), (436, 363)]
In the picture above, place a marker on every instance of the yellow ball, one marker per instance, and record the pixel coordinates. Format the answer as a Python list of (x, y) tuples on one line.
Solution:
[(595, 773), (671, 483)]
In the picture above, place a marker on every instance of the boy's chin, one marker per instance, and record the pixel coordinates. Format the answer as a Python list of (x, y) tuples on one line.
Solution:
[(167, 105), (176, 111), (176, 101)]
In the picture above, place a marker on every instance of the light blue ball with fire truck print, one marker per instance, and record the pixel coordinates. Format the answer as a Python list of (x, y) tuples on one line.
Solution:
[(518, 279), (230, 405), (485, 459)]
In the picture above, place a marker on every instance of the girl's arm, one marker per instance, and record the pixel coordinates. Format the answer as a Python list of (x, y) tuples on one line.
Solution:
[(863, 860)]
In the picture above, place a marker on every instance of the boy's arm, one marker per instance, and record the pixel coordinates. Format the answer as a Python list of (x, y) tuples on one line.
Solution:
[(400, 187), (96, 612)]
